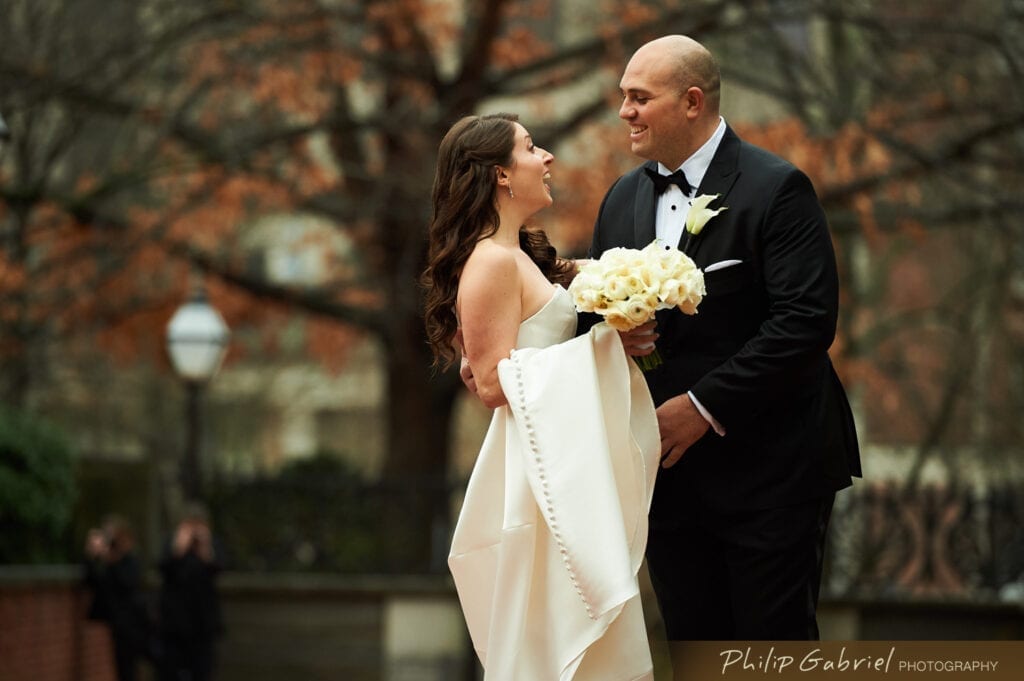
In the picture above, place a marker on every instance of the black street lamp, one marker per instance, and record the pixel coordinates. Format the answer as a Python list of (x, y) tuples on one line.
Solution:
[(197, 339), (5, 133)]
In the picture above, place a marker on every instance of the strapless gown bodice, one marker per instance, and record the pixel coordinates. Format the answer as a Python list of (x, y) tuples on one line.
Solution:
[(552, 324)]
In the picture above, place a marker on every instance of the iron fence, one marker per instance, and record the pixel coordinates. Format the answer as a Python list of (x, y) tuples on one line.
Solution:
[(933, 542)]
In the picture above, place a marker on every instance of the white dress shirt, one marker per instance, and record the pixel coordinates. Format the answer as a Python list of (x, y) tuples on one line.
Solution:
[(671, 207), (670, 216)]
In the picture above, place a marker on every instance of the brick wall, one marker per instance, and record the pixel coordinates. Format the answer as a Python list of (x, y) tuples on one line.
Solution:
[(44, 635)]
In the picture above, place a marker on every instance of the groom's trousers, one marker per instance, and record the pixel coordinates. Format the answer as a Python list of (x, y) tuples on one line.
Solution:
[(744, 575)]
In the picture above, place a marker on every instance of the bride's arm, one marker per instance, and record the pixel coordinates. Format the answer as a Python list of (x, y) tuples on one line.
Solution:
[(490, 306)]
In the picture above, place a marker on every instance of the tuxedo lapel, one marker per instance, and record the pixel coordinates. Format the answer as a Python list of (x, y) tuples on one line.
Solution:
[(643, 211), (719, 179)]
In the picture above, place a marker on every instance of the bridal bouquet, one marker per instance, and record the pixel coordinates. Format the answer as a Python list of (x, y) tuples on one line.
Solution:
[(627, 286)]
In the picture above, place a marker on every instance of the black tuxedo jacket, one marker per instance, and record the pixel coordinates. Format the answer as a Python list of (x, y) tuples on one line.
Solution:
[(756, 353)]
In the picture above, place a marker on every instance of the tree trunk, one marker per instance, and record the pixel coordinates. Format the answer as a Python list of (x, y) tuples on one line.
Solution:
[(416, 518), (17, 333)]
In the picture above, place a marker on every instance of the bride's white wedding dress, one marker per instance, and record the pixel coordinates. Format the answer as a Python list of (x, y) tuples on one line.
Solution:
[(552, 530)]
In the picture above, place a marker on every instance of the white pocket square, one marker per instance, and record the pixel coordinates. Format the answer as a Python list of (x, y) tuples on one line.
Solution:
[(721, 265)]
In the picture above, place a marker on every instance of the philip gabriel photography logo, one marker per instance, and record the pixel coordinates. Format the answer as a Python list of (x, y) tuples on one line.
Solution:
[(814, 660), (866, 661)]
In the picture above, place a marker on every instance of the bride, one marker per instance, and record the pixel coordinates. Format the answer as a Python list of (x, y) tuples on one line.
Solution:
[(553, 526)]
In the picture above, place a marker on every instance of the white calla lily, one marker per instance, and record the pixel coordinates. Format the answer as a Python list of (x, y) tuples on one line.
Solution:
[(699, 213), (627, 286)]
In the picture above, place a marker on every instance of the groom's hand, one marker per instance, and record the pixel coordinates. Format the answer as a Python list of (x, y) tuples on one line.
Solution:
[(681, 425), (465, 371), (639, 341), (466, 374)]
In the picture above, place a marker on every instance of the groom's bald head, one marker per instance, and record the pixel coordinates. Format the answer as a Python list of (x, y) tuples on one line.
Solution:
[(685, 63)]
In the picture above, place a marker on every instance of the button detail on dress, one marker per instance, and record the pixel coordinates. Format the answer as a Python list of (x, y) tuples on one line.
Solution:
[(547, 504)]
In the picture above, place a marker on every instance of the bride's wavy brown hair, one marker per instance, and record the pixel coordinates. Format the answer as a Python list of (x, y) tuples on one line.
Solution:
[(465, 210)]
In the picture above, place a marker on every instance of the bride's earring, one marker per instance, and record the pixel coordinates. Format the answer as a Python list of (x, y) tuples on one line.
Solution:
[(509, 185)]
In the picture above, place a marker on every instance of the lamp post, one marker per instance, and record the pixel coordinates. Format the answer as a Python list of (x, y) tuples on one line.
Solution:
[(5, 133), (197, 339)]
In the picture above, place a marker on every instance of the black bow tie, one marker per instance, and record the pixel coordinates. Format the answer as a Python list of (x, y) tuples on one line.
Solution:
[(661, 182)]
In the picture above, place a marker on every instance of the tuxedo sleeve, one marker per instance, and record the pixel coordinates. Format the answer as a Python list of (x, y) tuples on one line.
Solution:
[(784, 359)]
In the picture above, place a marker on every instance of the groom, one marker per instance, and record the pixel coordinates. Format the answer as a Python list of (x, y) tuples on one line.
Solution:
[(757, 434)]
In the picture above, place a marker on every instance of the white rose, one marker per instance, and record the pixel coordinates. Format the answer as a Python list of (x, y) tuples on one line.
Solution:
[(661, 269), (669, 291), (634, 282), (639, 308), (585, 299), (618, 316), (691, 292), (615, 288)]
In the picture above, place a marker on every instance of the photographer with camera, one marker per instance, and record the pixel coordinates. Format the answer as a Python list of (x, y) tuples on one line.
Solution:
[(113, 574), (190, 618)]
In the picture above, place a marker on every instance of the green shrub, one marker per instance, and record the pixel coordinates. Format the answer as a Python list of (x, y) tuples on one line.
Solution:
[(37, 490)]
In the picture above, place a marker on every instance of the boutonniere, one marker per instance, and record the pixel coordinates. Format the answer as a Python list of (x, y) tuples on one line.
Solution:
[(699, 213)]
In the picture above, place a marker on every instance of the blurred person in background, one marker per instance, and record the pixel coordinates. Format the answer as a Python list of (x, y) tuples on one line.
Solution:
[(190, 617), (113, 573)]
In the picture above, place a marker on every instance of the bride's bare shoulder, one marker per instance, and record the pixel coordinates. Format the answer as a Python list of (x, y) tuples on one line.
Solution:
[(489, 277), (491, 260)]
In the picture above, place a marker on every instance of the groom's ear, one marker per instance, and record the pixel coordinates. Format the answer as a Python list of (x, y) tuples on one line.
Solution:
[(693, 100)]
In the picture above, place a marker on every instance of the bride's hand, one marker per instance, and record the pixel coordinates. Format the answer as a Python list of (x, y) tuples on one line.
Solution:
[(640, 341)]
